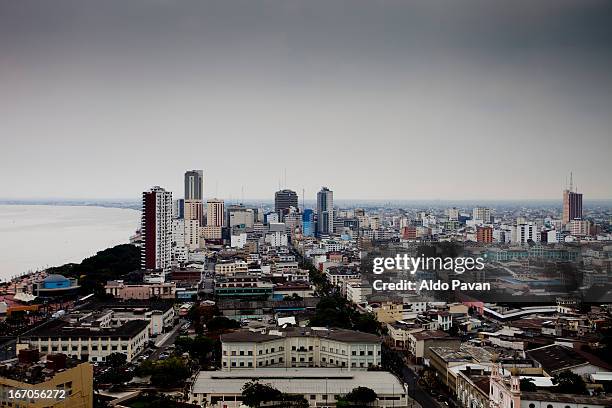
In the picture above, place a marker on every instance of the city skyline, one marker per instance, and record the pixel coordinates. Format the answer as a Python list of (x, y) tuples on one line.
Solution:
[(406, 100)]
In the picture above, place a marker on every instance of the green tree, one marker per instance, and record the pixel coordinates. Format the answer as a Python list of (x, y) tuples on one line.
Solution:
[(528, 385), (199, 348), (367, 323), (168, 373), (362, 395), (569, 383), (95, 271), (219, 323), (116, 360), (115, 375), (254, 394)]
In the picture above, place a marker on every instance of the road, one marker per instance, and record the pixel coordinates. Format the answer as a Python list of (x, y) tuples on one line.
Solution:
[(164, 341), (417, 393)]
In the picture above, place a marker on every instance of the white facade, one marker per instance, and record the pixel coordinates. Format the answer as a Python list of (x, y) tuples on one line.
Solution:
[(276, 239), (162, 228), (482, 214), (238, 241), (349, 350), (192, 234), (525, 232)]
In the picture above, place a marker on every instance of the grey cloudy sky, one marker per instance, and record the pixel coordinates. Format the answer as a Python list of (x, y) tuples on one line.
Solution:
[(378, 99)]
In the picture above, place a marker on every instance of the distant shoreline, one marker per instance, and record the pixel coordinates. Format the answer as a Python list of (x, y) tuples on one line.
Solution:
[(341, 203), (76, 203)]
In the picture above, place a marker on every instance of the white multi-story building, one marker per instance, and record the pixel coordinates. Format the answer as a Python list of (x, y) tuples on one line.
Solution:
[(336, 274), (523, 233), (88, 342), (356, 290), (276, 239), (192, 234), (300, 347), (482, 214), (156, 230), (238, 241), (580, 228), (179, 250)]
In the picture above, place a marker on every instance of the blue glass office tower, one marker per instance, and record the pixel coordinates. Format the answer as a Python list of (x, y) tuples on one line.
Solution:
[(308, 223)]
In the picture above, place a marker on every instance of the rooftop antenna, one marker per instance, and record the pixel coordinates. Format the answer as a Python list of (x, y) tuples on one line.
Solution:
[(303, 200), (571, 181), (216, 188), (242, 194), (285, 177)]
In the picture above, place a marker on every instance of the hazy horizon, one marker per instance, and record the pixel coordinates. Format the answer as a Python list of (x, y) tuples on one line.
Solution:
[(386, 99)]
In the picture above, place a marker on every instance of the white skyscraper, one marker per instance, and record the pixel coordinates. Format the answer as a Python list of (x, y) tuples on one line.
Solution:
[(156, 226)]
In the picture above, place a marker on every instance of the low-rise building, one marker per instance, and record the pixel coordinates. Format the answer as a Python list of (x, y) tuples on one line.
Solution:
[(120, 290), (337, 274), (421, 341), (319, 386), (70, 382), (300, 347), (89, 342)]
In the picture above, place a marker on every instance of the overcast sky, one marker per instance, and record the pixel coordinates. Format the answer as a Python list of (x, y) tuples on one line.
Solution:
[(377, 99)]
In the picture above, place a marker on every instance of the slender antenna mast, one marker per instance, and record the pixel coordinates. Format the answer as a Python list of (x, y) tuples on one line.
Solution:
[(242, 194), (303, 201), (285, 177), (571, 181)]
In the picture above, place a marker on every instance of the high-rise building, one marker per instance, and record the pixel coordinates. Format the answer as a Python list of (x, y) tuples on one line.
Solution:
[(156, 228), (325, 211), (572, 203), (214, 213), (484, 234), (284, 200), (482, 214), (178, 210), (453, 214), (240, 216), (194, 210), (308, 224), (194, 185)]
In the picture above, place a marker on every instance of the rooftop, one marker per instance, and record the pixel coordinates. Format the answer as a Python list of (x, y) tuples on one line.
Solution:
[(555, 358), (430, 334), (348, 336), (61, 328), (298, 381)]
